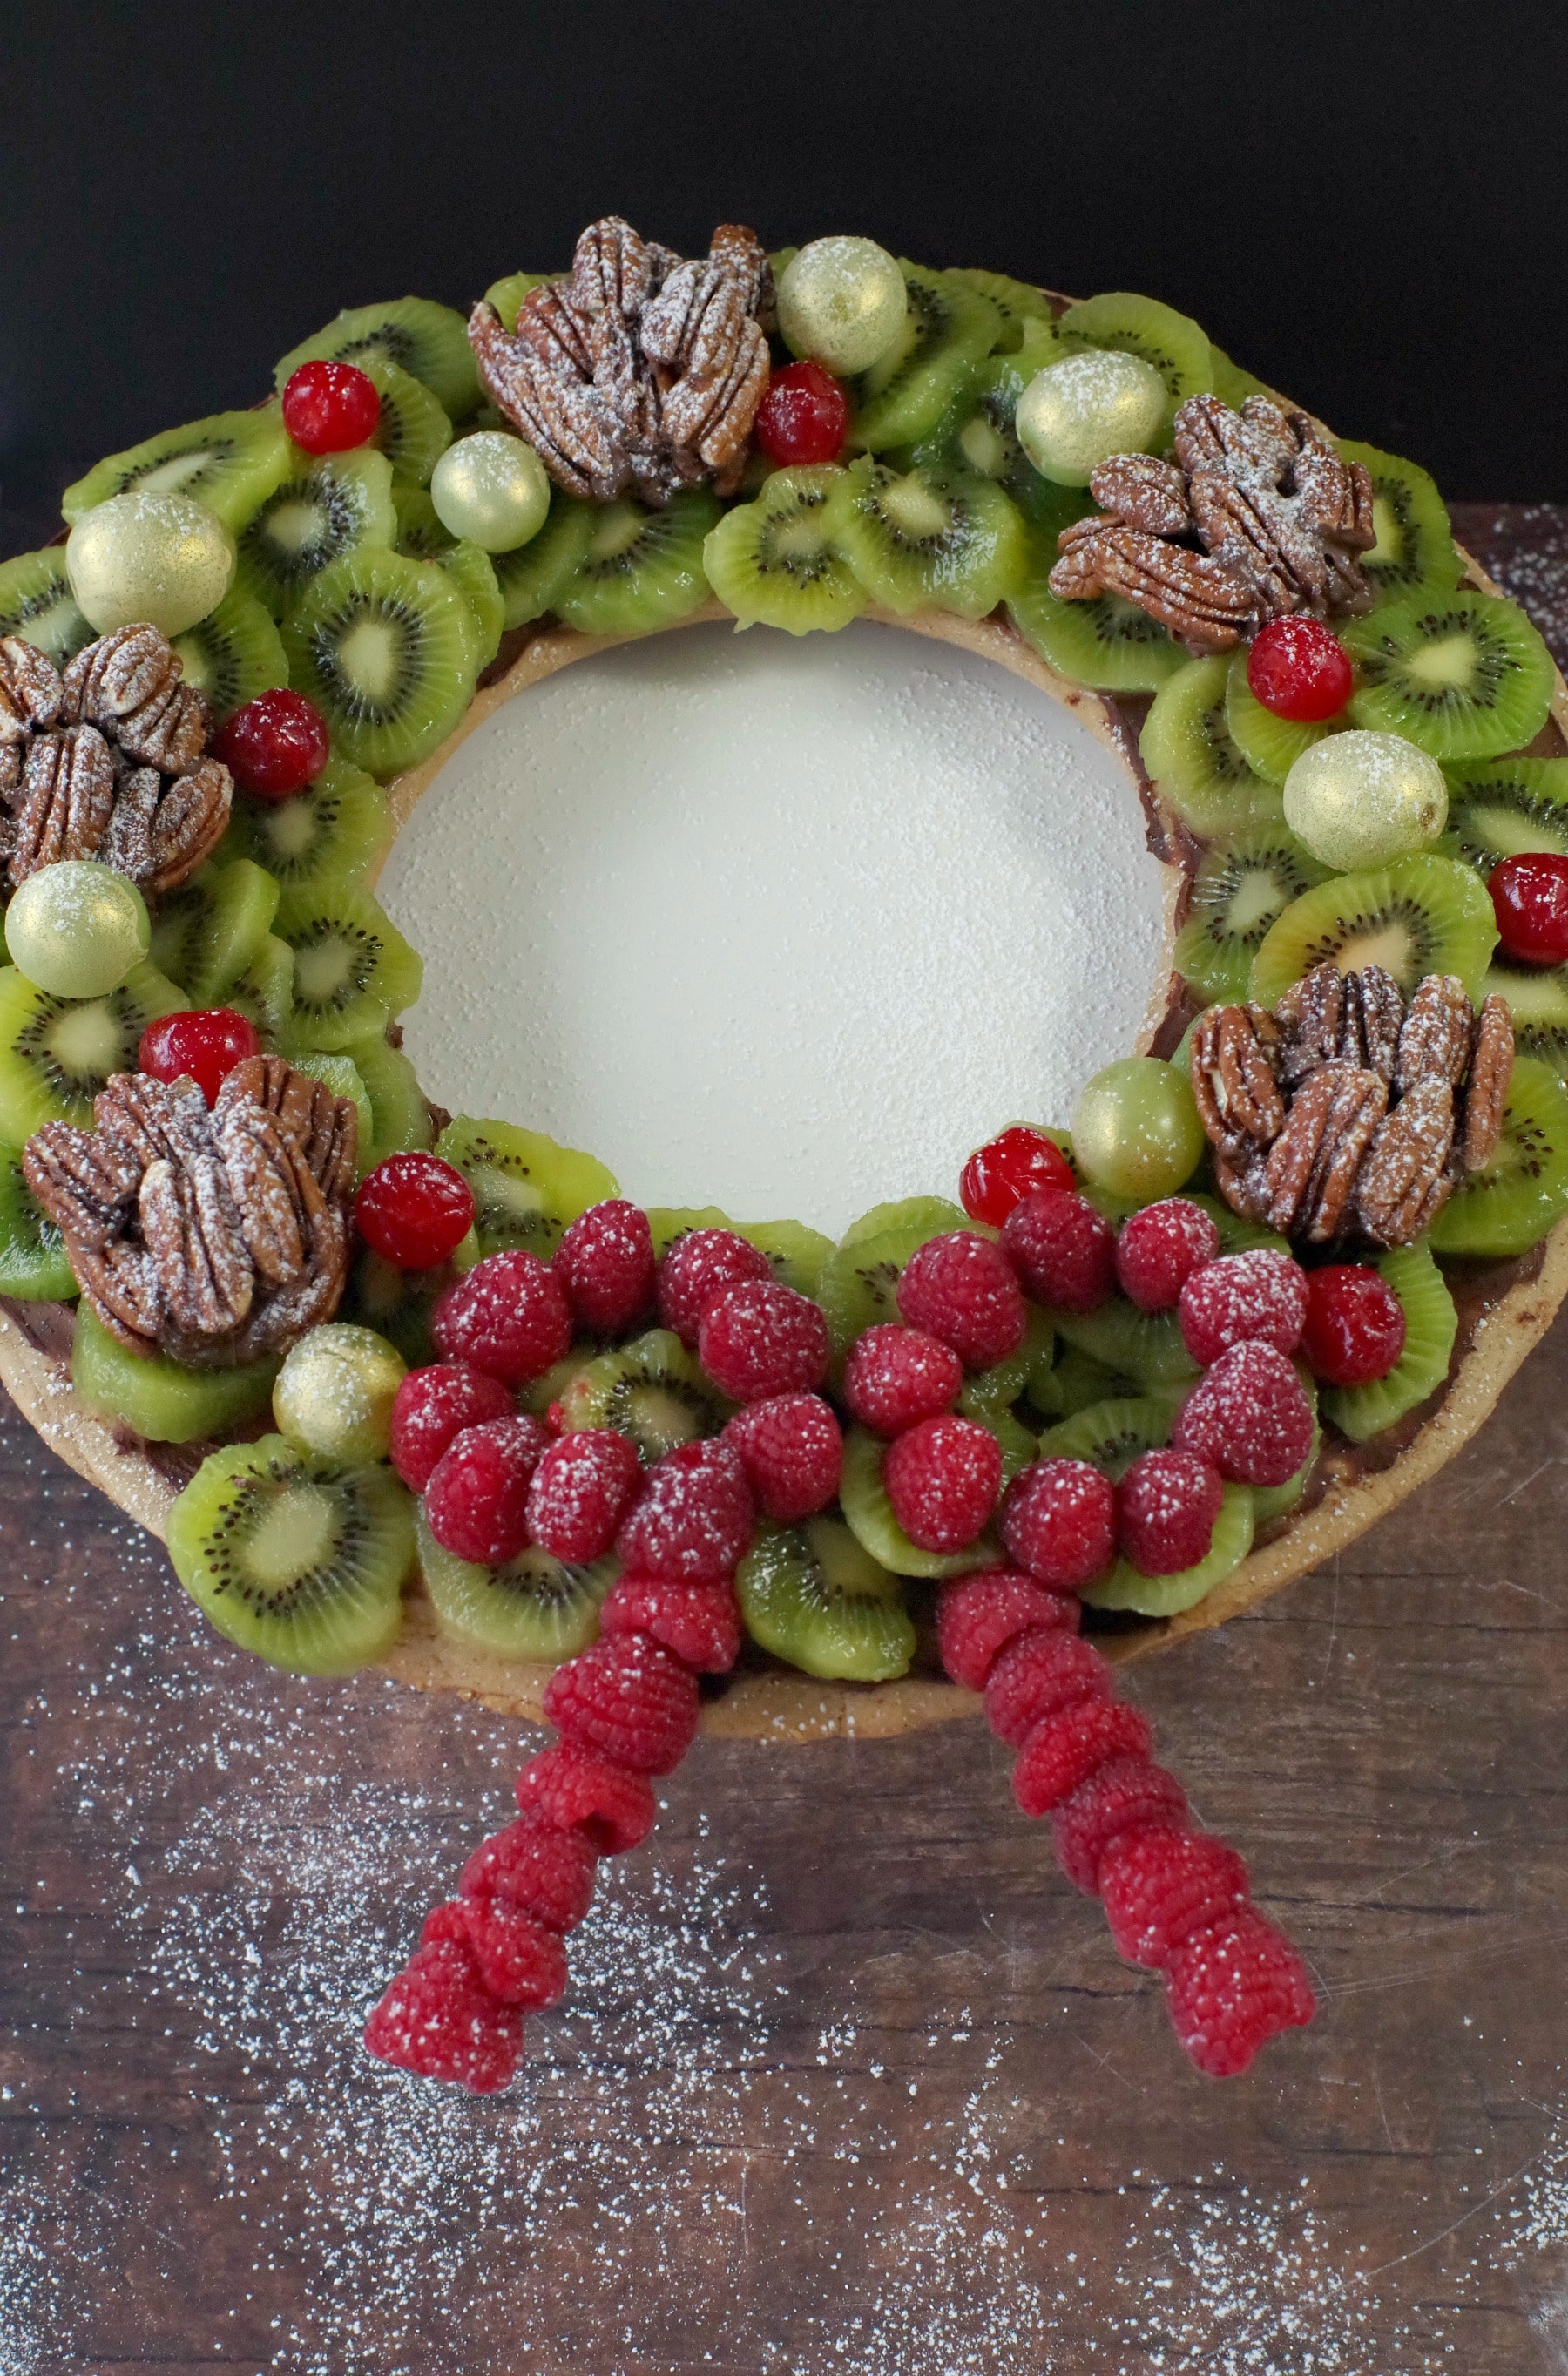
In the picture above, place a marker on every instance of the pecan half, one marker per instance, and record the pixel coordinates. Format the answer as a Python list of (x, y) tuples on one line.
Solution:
[(1404, 1181), (1232, 1071), (31, 693), (1486, 1093), (68, 799), (1197, 599), (1312, 1164), (1435, 1042)]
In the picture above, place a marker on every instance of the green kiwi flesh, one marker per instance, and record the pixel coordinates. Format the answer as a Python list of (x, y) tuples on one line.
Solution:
[(1166, 1596), (1415, 552), (641, 568), (207, 933), (1107, 644), (36, 603), (420, 337), (234, 654), (385, 647), (531, 1607), (400, 1117), (868, 1514), (1269, 744), (230, 463), (949, 329), (325, 506), (1239, 889), (920, 539), (1187, 747), (1144, 1346), (532, 579), (159, 1398), (1432, 1323), (1465, 676), (265, 992), (859, 1283), (414, 430), (1501, 808), (354, 970), (56, 1053), (337, 830), (1020, 303), (651, 1390), (1416, 916), (1504, 1210), (775, 562), (816, 1598), (1173, 342), (525, 1186), (34, 1265)]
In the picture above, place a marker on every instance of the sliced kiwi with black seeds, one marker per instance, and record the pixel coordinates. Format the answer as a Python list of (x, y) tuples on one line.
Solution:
[(508, 293), (1115, 1433), (1416, 916), (1166, 1596), (949, 329), (1415, 552), (535, 1394), (975, 435), (1076, 1382), (931, 1217), (421, 532), (668, 1223), (1241, 887), (34, 1265), (1017, 302), (400, 1117), (337, 830), (525, 1186), (651, 1390), (798, 1254), (1270, 745), (1105, 643), (472, 572), (531, 1607), (1503, 808), (1507, 1209), (1187, 747), (338, 1072), (420, 337), (868, 1514), (1537, 1000), (162, 1399), (921, 538), (1432, 1323), (265, 992), (207, 933), (1236, 1235), (1143, 1345), (354, 970), (234, 654), (859, 1285), (325, 506), (230, 463), (386, 648), (816, 1598), (533, 577), (775, 562), (297, 1557), (642, 568), (37, 604), (1128, 325), (1465, 676), (415, 429), (56, 1053)]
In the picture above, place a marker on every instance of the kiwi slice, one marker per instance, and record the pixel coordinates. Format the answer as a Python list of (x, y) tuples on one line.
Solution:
[(1241, 887), (159, 1398), (814, 1597), (420, 337), (1076, 1382), (1107, 642), (1187, 747), (231, 462), (532, 1607), (1268, 744), (651, 1390), (642, 568), (1113, 1432), (859, 1281), (421, 532), (297, 1557), (337, 830), (535, 1394), (399, 1113), (386, 648), (341, 1075), (1505, 1209), (37, 604), (868, 1514), (472, 572), (234, 654), (1143, 1345), (397, 1303), (949, 329), (991, 1398), (975, 435), (1237, 1236), (265, 992), (955, 540), (354, 970), (1166, 1596), (1415, 552), (1233, 384), (1501, 808), (1416, 916), (1465, 676), (34, 1265), (667, 1222), (56, 1053), (1538, 1000), (1173, 342), (1019, 304), (933, 1216), (526, 1187), (325, 506), (777, 562), (414, 430), (212, 928), (508, 293), (533, 577), (798, 1254), (1430, 1325)]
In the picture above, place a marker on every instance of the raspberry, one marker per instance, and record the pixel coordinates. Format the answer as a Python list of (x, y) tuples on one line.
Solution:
[(628, 1697), (581, 1489), (1354, 1325), (329, 407), (1064, 1750), (760, 1338), (1299, 669), (1165, 1506), (1059, 1522), (605, 1262), (208, 1046), (274, 745), (1158, 1250), (701, 1622), (1529, 899), (508, 1316), (1009, 1167), (1249, 1416), (978, 1615), (519, 1962), (1063, 1251), (943, 1479), (693, 1520), (414, 1209), (961, 1287), (895, 1377), (804, 417), (1232, 1987), (1122, 1795), (792, 1454), (575, 1790), (433, 1405), (540, 1870), (476, 1498), (1257, 1297), (1042, 1673), (1159, 1886), (696, 1269), (439, 2020)]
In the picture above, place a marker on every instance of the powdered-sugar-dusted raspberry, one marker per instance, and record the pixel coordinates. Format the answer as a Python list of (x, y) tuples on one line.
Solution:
[(1232, 1987), (477, 1498), (1059, 1522), (977, 1616), (760, 1338), (894, 1377), (793, 1453), (1249, 1416), (696, 1269), (961, 1287), (1165, 1506), (1159, 1886), (435, 1404), (507, 1317), (694, 1519), (578, 1790), (1042, 1673), (701, 1622), (520, 1961), (605, 1262), (439, 2020), (536, 1866), (1158, 1249), (1064, 1750), (628, 1697), (943, 1479), (1062, 1248), (1355, 1324), (1257, 1297), (582, 1489), (1124, 1794)]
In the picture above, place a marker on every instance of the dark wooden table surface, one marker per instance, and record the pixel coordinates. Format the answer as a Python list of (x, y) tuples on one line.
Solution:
[(851, 2083)]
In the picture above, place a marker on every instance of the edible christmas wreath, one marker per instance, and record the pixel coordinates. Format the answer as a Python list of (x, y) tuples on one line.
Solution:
[(425, 1390)]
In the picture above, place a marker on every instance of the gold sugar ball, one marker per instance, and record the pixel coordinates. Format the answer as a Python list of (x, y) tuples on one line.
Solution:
[(1359, 798), (335, 1392)]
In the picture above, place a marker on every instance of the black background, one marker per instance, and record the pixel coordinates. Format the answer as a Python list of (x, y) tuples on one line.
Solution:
[(1366, 205)]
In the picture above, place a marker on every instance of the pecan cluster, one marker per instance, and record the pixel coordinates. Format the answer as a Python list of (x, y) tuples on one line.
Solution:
[(1346, 1113), (109, 761), (1256, 517), (212, 1237), (642, 368)]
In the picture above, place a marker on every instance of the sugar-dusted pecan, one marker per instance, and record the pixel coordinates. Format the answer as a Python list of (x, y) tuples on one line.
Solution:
[(1311, 1166), (130, 685), (1144, 492), (187, 824), (67, 799), (31, 692), (1197, 599), (1404, 1181), (1435, 1042), (1233, 1069), (1486, 1091)]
